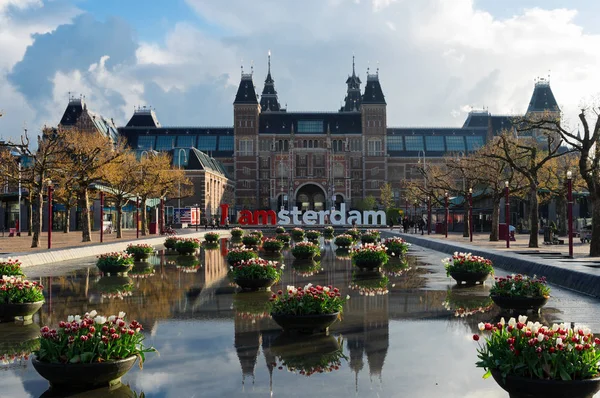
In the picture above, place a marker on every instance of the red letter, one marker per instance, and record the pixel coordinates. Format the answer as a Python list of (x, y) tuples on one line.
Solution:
[(246, 218), (268, 217), (224, 213)]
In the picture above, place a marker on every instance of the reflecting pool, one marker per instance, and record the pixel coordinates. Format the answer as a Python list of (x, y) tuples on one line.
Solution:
[(406, 331)]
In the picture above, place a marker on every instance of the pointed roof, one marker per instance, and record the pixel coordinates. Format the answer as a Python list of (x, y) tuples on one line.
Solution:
[(143, 117), (542, 98), (352, 100), (246, 93), (78, 108), (373, 92), (268, 99)]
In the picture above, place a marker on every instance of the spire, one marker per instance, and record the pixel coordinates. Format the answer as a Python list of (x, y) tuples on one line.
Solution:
[(352, 100), (542, 99), (246, 94), (268, 99), (373, 92)]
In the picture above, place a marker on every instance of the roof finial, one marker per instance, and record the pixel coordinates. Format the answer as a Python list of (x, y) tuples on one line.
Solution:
[(252, 67), (269, 71), (242, 67), (377, 73), (353, 73)]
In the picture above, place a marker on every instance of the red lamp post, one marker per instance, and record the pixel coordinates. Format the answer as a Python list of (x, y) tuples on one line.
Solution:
[(470, 214), (101, 217), (447, 214), (429, 215), (161, 221), (50, 190), (570, 210), (507, 214), (137, 218)]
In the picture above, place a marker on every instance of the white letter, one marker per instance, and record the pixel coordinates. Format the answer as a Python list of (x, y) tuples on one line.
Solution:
[(373, 216), (295, 213), (322, 215), (341, 214), (283, 217), (309, 217), (355, 215)]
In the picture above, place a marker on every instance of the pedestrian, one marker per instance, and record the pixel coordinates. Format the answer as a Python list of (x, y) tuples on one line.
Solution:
[(205, 221), (213, 223), (227, 222)]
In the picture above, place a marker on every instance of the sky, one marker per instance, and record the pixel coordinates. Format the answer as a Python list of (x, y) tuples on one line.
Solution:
[(437, 59)]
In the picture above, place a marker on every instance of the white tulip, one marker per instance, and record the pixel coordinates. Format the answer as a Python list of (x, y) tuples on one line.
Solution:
[(522, 318), (100, 320), (540, 337), (502, 321), (121, 315), (112, 318), (70, 318), (554, 327), (481, 326), (347, 297), (326, 289), (559, 341), (512, 322), (93, 313)]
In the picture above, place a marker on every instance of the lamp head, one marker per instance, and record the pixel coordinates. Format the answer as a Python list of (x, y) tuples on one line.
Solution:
[(506, 184), (569, 175), (470, 190), (446, 194)]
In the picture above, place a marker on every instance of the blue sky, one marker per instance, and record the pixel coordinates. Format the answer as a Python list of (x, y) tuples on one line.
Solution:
[(438, 59)]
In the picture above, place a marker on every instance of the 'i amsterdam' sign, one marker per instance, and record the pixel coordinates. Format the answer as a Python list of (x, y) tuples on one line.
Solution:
[(309, 217)]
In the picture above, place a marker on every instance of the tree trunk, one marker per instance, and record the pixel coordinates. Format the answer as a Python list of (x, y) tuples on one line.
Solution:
[(144, 216), (119, 207), (86, 227), (594, 198), (561, 209), (533, 216), (466, 220), (29, 216), (66, 227), (495, 220), (37, 220)]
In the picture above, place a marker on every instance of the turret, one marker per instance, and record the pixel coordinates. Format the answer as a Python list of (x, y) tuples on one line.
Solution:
[(268, 98), (353, 98), (542, 99)]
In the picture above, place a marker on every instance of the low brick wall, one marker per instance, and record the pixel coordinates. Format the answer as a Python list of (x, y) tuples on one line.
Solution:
[(572, 279), (94, 249)]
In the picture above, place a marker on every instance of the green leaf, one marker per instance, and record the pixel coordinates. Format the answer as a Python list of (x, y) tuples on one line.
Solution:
[(487, 374), (75, 359), (87, 357), (564, 375)]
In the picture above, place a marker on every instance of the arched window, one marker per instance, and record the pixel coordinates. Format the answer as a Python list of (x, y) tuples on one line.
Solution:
[(305, 144), (285, 145), (310, 143)]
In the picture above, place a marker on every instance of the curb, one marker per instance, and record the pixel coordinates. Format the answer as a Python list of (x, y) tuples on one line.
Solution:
[(582, 282), (94, 249)]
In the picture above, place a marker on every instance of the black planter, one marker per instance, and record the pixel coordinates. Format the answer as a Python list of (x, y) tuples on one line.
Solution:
[(309, 324), (114, 270), (272, 250), (83, 374), (254, 284), (186, 251), (367, 264), (304, 256), (469, 278), (117, 391), (169, 245), (141, 256), (521, 387), (519, 303), (8, 312)]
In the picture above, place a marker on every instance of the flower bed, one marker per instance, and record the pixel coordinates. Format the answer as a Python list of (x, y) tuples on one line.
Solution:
[(369, 256), (396, 246), (139, 251), (343, 240), (284, 237), (211, 237), (354, 233), (240, 254), (537, 352), (328, 231), (305, 250), (15, 290), (257, 234), (237, 232), (170, 242), (279, 230), (313, 235), (298, 233), (520, 286), (187, 245), (251, 240), (272, 245), (307, 300), (114, 263), (11, 268), (256, 273), (465, 267), (369, 237)]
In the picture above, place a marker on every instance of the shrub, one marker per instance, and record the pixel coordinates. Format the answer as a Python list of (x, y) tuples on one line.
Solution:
[(279, 230), (237, 232), (257, 234), (272, 245), (284, 237), (305, 250), (369, 238), (343, 240), (240, 254), (313, 235), (139, 249), (396, 246), (187, 243), (354, 233), (257, 268), (14, 290), (11, 268), (532, 350), (211, 237), (328, 230), (251, 240), (298, 233), (91, 339), (170, 242), (114, 260), (369, 253), (307, 300), (466, 262), (520, 286)]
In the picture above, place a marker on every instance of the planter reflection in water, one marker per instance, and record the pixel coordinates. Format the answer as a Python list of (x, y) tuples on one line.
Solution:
[(117, 391), (252, 305), (308, 355), (396, 267), (17, 343), (306, 268), (342, 254), (369, 283), (532, 360), (464, 304), (114, 287), (141, 270)]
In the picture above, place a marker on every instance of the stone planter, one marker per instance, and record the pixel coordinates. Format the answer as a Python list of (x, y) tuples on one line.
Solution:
[(10, 311), (309, 324), (83, 374), (519, 303), (254, 284), (367, 264), (115, 269), (522, 387), (469, 278), (304, 256)]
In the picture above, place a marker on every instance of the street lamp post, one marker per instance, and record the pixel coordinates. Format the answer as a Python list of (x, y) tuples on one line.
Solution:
[(570, 210), (179, 164), (507, 214), (137, 218), (470, 214), (161, 216), (50, 190), (101, 217), (19, 219), (447, 215), (429, 215)]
